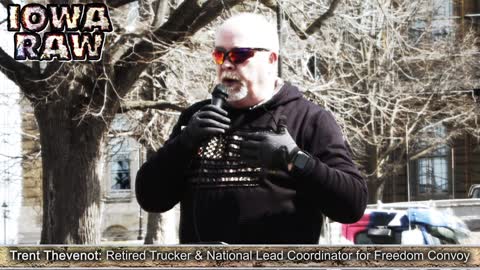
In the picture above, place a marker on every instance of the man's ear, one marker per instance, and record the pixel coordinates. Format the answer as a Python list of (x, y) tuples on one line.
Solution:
[(273, 57)]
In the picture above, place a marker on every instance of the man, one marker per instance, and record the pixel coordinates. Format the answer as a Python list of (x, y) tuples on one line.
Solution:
[(261, 170)]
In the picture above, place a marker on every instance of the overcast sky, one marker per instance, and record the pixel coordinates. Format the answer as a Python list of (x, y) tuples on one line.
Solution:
[(10, 147)]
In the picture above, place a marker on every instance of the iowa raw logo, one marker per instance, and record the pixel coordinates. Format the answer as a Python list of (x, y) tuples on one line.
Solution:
[(63, 32)]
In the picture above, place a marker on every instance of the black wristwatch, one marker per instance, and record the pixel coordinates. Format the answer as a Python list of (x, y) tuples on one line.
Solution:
[(300, 160)]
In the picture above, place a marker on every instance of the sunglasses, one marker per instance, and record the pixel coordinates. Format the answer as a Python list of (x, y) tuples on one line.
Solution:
[(235, 55)]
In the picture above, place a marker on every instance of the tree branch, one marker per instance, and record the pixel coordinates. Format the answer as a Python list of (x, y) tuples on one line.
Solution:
[(15, 71), (52, 68), (118, 3), (313, 27), (5, 3), (188, 18), (317, 24), (273, 6), (142, 105)]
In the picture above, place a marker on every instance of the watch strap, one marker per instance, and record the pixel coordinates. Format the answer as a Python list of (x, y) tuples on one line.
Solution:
[(301, 160), (293, 154)]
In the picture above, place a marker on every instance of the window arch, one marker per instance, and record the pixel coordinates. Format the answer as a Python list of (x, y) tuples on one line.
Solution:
[(116, 233)]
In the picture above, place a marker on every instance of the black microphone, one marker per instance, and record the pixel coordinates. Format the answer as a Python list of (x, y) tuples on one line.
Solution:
[(219, 95), (281, 124)]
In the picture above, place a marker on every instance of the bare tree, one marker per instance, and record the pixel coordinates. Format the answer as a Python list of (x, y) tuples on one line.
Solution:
[(392, 72), (74, 104)]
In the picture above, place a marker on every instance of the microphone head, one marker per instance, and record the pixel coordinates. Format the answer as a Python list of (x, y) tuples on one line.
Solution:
[(282, 124), (220, 91), (219, 95)]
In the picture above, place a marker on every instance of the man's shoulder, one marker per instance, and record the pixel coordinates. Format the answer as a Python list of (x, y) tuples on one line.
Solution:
[(304, 103)]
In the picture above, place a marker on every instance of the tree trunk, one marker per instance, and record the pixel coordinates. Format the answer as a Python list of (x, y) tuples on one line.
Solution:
[(71, 182), (153, 227), (163, 228), (379, 191), (376, 179), (376, 187), (371, 164)]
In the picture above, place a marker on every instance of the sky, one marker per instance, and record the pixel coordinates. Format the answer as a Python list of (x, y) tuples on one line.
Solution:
[(10, 147)]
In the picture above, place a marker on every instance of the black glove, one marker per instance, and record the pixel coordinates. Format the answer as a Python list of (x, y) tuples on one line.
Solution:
[(209, 121), (271, 150)]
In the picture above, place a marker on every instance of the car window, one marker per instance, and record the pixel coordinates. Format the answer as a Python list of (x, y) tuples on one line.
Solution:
[(445, 235), (363, 238)]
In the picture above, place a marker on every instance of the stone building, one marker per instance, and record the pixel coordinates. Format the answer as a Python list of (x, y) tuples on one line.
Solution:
[(122, 218), (30, 220), (121, 215), (449, 170)]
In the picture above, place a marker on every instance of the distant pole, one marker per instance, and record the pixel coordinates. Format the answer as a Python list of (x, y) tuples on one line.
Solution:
[(5, 216), (279, 31), (140, 225), (408, 163), (453, 172), (140, 214)]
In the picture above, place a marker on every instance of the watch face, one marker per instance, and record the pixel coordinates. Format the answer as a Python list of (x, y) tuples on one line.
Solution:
[(301, 160)]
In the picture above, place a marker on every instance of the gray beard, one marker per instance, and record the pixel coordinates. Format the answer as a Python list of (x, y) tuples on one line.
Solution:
[(237, 94)]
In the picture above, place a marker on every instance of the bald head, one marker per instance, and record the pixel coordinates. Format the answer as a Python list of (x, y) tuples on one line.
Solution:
[(249, 30), (252, 79)]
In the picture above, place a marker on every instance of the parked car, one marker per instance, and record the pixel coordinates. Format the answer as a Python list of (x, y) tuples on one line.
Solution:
[(474, 191), (414, 226)]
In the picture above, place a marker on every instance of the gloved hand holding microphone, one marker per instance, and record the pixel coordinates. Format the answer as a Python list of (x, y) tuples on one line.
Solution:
[(211, 120)]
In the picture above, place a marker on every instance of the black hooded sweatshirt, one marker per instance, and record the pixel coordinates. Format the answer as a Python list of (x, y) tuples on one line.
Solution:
[(224, 200)]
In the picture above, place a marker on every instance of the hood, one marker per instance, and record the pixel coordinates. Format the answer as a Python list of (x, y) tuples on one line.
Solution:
[(266, 115), (287, 93)]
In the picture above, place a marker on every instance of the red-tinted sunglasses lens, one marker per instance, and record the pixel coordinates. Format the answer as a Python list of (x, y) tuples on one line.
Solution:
[(240, 55), (218, 57), (236, 55)]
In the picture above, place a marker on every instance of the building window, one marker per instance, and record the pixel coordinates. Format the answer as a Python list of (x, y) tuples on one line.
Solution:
[(120, 166), (442, 9), (443, 20), (121, 172), (433, 174), (472, 13), (432, 169), (115, 233), (435, 25)]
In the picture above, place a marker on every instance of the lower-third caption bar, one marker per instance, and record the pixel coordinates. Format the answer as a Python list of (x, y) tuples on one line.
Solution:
[(235, 256)]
